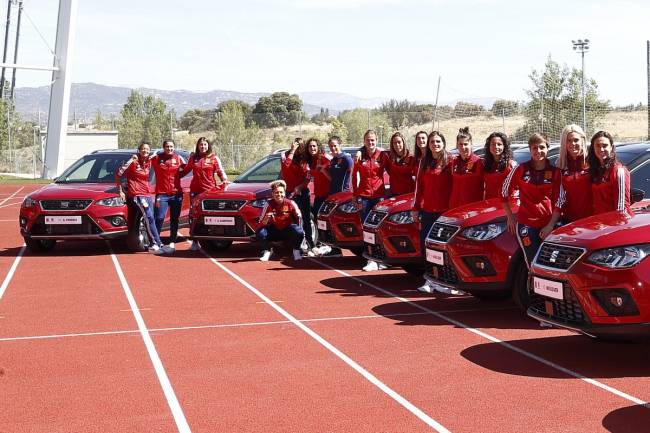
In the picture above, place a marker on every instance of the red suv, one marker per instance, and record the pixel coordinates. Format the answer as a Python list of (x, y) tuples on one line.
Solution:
[(339, 222), (83, 203), (469, 248)]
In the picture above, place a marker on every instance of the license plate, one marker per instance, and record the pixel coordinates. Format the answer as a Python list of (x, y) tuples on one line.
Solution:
[(435, 257), (219, 221), (369, 237), (68, 219), (551, 289), (322, 225)]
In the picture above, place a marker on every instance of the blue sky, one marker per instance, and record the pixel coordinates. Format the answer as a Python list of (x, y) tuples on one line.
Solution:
[(368, 48)]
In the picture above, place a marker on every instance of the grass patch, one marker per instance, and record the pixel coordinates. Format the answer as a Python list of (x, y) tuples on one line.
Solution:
[(4, 179)]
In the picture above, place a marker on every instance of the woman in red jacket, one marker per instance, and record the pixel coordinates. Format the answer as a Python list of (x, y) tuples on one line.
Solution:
[(169, 194), (467, 172), (421, 139), (497, 163), (318, 163), (206, 166), (538, 183), (368, 180), (400, 166), (136, 170), (610, 180), (575, 200), (295, 172)]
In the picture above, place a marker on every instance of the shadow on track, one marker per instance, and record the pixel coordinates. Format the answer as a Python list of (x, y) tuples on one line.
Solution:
[(631, 419), (591, 358)]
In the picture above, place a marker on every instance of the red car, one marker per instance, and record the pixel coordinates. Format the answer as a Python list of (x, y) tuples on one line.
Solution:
[(592, 276), (391, 237), (83, 203), (469, 248), (339, 222)]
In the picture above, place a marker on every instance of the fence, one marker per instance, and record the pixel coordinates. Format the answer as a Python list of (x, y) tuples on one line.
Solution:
[(241, 143)]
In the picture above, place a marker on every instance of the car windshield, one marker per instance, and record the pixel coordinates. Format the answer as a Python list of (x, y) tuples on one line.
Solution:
[(94, 168)]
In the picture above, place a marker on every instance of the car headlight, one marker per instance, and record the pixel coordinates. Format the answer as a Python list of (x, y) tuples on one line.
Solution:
[(402, 217), (621, 257), (350, 206), (29, 202), (259, 203), (110, 201), (484, 232)]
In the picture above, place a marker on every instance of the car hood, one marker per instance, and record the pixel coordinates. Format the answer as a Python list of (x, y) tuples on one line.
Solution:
[(340, 197), (56, 191), (248, 191), (480, 212), (605, 230), (399, 203)]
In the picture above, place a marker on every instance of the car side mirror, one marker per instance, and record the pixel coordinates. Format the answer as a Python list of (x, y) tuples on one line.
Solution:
[(636, 195)]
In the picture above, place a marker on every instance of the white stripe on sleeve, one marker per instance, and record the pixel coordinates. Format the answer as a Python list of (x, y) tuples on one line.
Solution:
[(620, 174), (506, 183)]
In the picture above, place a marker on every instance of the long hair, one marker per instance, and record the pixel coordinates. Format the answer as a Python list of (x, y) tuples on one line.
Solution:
[(308, 157), (196, 148), (298, 155), (506, 156), (393, 153), (562, 160), (417, 152), (428, 159), (596, 169)]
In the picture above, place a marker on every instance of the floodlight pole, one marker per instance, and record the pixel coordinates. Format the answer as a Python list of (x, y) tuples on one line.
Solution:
[(582, 46)]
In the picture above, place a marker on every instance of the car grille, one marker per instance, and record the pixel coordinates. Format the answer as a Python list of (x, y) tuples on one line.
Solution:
[(240, 229), (566, 310), (376, 252), (326, 208), (375, 218), (558, 256), (223, 205), (87, 227), (326, 236), (443, 273), (442, 232), (65, 204)]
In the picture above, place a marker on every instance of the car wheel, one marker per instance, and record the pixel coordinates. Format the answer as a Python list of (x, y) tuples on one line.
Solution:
[(40, 245), (520, 288), (357, 251), (218, 245), (415, 270), (138, 238)]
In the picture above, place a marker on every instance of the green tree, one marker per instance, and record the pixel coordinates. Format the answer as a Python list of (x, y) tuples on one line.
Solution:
[(556, 101), (235, 144), (144, 118), (503, 107), (280, 108), (198, 120), (100, 122), (404, 113), (359, 120), (467, 109)]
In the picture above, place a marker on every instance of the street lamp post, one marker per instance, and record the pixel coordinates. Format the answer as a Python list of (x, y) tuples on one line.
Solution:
[(581, 46)]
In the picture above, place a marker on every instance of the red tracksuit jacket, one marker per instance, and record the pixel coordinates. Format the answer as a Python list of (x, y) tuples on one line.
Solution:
[(401, 174), (321, 182), (167, 168), (494, 179), (137, 176), (467, 181), (293, 174), (611, 191), (575, 199), (204, 170), (433, 187), (284, 214), (371, 175)]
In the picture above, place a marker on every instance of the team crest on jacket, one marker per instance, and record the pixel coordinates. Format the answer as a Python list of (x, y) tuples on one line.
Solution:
[(548, 174), (526, 176)]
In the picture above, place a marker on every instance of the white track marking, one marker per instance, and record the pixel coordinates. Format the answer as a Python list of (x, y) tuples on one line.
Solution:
[(5, 200), (12, 270), (170, 395), (231, 325), (10, 204), (349, 361), (489, 337)]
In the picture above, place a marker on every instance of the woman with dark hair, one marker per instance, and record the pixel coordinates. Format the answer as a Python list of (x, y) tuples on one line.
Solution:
[(136, 170), (368, 180), (206, 166), (400, 166), (538, 183), (575, 200), (610, 180), (497, 163), (467, 172), (295, 172), (318, 163), (421, 139)]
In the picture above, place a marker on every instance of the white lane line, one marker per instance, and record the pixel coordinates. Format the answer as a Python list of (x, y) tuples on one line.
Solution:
[(170, 395), (12, 270), (358, 368), (489, 337), (10, 204), (5, 200), (9, 221)]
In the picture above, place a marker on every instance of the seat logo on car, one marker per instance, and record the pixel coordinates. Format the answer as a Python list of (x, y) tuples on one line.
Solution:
[(554, 255), (221, 205), (65, 204)]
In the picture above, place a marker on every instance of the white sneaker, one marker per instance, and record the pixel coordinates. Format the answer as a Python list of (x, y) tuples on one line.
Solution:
[(266, 255), (381, 266), (297, 255), (169, 249), (371, 266), (426, 288), (325, 249), (196, 246), (155, 249)]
